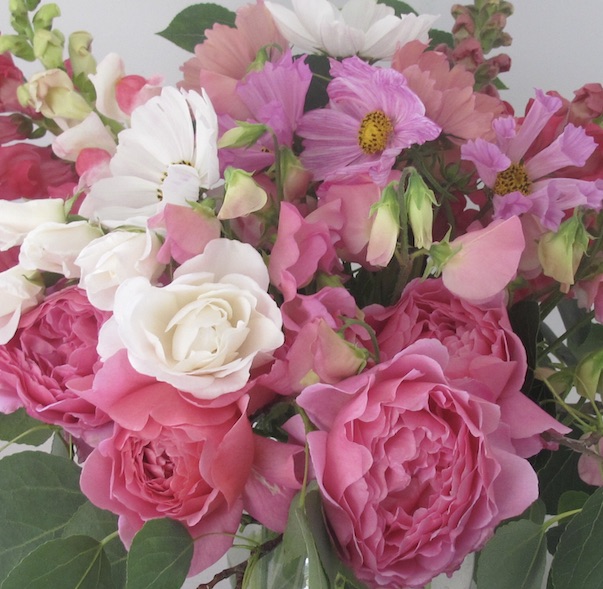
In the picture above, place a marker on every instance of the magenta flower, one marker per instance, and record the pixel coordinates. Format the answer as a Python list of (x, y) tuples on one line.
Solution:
[(527, 185), (371, 117)]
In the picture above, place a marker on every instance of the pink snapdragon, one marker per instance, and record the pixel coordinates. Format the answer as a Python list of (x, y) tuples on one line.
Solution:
[(371, 118)]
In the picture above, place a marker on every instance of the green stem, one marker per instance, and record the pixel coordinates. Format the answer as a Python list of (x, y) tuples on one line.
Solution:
[(109, 538), (24, 434), (551, 347), (547, 524), (568, 408)]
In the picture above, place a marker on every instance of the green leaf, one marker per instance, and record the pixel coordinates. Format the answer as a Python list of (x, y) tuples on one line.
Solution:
[(400, 7), (560, 474), (160, 556), (77, 562), (438, 37), (578, 561), (298, 542), (97, 523), (39, 494), (515, 558), (14, 427), (187, 29)]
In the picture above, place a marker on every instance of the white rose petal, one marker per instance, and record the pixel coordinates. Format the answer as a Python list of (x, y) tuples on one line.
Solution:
[(109, 260), (54, 247), (18, 218), (20, 290)]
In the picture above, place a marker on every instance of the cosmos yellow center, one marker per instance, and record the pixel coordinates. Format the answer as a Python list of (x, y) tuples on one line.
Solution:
[(512, 179), (374, 132)]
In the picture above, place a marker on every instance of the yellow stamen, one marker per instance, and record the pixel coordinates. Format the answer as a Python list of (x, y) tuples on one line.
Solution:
[(374, 132), (512, 179)]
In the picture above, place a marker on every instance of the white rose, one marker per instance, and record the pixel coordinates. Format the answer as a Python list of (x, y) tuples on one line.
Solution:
[(53, 247), (20, 290), (109, 260), (203, 332), (18, 218)]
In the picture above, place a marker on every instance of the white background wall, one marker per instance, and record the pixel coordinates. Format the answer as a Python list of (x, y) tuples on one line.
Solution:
[(557, 43)]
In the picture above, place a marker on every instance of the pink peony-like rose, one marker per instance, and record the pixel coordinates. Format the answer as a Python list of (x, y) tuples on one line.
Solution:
[(29, 171), (169, 458), (415, 472), (481, 345), (55, 348)]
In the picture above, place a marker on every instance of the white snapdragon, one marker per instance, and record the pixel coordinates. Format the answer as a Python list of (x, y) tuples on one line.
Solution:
[(203, 332), (20, 290), (18, 218), (54, 247), (109, 260)]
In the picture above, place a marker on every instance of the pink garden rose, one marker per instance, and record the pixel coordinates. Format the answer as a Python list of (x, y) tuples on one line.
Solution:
[(415, 472), (171, 457), (481, 345), (51, 356)]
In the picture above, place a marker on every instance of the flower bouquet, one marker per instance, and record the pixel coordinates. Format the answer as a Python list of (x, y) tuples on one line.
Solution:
[(298, 307)]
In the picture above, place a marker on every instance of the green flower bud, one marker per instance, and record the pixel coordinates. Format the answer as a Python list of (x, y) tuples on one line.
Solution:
[(18, 46), (589, 375), (420, 200), (80, 56), (385, 229), (44, 17), (243, 196), (48, 47), (560, 252), (243, 135)]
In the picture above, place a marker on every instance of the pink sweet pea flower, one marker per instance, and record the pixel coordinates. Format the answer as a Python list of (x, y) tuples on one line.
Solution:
[(527, 186), (415, 472), (303, 247), (486, 262), (371, 117)]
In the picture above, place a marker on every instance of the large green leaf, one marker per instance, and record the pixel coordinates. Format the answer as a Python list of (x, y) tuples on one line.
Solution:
[(14, 427), (515, 558), (77, 562), (399, 7), (97, 523), (39, 494), (160, 556), (187, 29), (578, 562)]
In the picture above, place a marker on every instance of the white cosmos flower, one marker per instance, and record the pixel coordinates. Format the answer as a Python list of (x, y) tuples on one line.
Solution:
[(361, 27), (168, 155)]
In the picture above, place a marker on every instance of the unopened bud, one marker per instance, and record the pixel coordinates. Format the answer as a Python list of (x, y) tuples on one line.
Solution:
[(419, 206), (243, 135), (243, 195), (82, 60)]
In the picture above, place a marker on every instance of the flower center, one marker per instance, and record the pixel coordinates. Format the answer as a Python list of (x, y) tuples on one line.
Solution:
[(375, 129), (514, 178)]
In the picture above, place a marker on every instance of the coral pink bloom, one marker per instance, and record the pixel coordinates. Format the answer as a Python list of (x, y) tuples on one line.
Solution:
[(487, 260), (371, 117), (224, 57), (415, 472), (526, 186), (447, 93)]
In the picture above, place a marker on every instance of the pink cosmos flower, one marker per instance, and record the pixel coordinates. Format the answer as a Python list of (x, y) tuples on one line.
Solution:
[(415, 471), (52, 356), (274, 96), (526, 186), (226, 54), (371, 117), (481, 346)]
